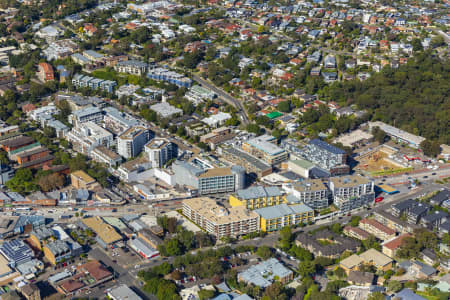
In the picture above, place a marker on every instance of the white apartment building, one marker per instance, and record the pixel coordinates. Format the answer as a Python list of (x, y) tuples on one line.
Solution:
[(160, 151), (131, 142), (351, 191)]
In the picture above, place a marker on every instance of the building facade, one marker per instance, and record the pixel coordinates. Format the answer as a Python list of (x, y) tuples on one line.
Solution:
[(350, 192), (160, 151), (218, 220), (131, 142)]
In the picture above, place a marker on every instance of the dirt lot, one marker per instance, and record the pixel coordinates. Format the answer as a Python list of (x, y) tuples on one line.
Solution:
[(377, 161)]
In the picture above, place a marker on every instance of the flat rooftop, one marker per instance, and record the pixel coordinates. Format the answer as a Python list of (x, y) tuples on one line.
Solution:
[(216, 214), (349, 181)]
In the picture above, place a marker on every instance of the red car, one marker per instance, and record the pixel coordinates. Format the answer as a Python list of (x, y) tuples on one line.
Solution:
[(378, 199)]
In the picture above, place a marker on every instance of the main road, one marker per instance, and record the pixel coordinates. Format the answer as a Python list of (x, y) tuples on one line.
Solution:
[(224, 96)]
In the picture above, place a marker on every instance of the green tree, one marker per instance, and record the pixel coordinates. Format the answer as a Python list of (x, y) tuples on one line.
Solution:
[(395, 286), (264, 252), (376, 296), (284, 106), (206, 294), (431, 148)]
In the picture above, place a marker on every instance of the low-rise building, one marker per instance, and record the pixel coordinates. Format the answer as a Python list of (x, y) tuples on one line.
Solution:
[(81, 180), (106, 156), (45, 72), (393, 222), (356, 232), (265, 273), (218, 220), (377, 229), (165, 110), (134, 67), (370, 257), (122, 292), (106, 235), (391, 247)]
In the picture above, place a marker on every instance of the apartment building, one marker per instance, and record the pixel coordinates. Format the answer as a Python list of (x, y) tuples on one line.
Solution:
[(264, 148), (265, 273), (351, 191), (312, 192), (84, 81), (83, 115), (160, 151), (274, 218), (209, 180), (251, 164), (393, 222), (133, 67), (131, 142), (220, 221), (85, 137), (198, 94), (257, 196), (326, 156), (162, 74), (106, 156), (377, 229)]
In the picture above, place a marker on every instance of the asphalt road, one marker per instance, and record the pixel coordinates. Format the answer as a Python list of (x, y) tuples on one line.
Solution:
[(226, 97)]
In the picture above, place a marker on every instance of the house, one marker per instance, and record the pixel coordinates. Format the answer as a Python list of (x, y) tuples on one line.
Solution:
[(407, 294), (45, 72), (417, 269), (370, 257), (429, 256)]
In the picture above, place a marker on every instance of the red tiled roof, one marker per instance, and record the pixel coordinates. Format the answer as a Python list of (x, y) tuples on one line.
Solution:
[(378, 226), (397, 242)]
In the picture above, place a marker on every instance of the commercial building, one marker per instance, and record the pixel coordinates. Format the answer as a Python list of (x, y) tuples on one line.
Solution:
[(265, 273), (84, 81), (398, 134), (86, 277), (45, 72), (379, 230), (165, 110), (162, 74), (131, 142), (351, 191), (209, 181), (81, 180), (274, 218), (143, 248), (122, 292), (220, 221), (257, 197), (354, 138), (264, 148), (301, 167), (160, 151), (106, 234), (312, 192), (252, 165), (217, 136), (134, 67), (16, 252)]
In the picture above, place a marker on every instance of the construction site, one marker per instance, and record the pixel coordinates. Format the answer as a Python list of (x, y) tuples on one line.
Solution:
[(382, 159)]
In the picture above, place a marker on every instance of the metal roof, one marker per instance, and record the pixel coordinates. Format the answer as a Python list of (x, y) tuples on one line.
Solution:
[(326, 146)]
